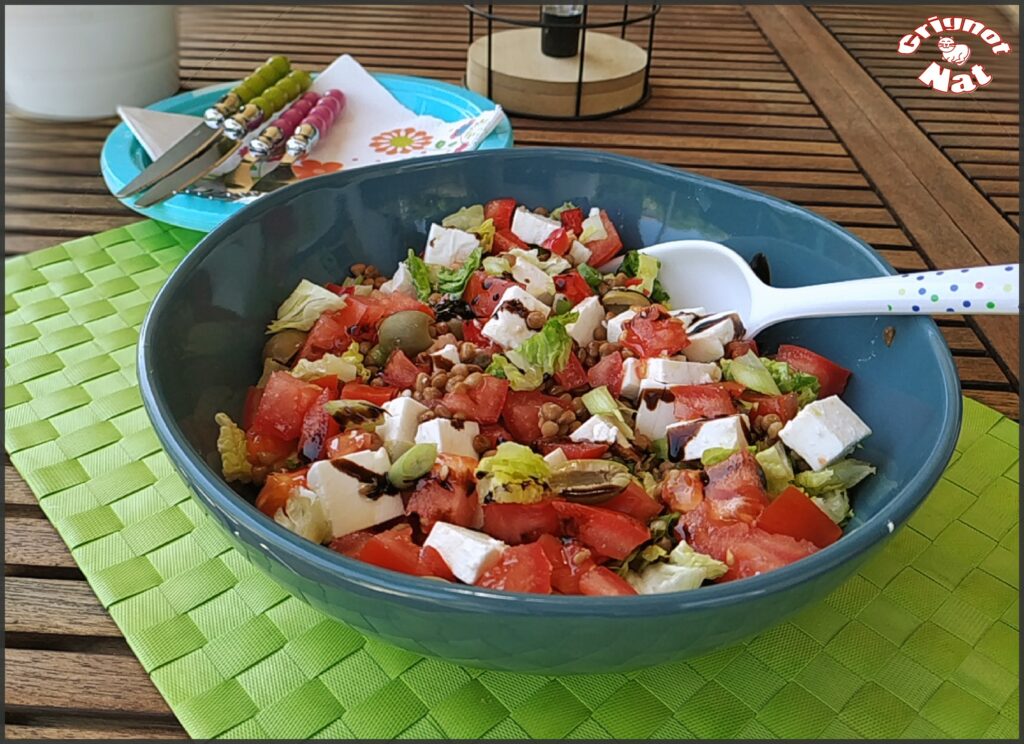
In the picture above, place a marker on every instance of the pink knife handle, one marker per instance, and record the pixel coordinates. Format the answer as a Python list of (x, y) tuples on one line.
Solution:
[(326, 111), (294, 114)]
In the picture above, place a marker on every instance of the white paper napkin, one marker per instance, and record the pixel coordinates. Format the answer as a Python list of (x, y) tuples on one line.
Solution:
[(373, 127)]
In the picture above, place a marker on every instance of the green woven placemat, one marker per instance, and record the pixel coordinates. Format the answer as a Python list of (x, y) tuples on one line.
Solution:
[(922, 642)]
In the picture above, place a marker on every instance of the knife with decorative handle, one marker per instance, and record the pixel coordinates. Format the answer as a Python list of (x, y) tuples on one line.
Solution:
[(314, 127), (205, 133), (270, 143), (236, 128)]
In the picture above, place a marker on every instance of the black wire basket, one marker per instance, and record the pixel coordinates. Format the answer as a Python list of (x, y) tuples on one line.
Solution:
[(551, 25)]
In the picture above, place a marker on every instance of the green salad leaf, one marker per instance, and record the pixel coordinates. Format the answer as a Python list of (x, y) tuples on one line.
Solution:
[(420, 275), (328, 364), (593, 229), (302, 308), (790, 380), (590, 275), (514, 474), (841, 475), (303, 514), (519, 380), (778, 469), (750, 371), (549, 349), (715, 455), (552, 266), (836, 504), (557, 212), (496, 265), (231, 444), (468, 218), (453, 281), (600, 402)]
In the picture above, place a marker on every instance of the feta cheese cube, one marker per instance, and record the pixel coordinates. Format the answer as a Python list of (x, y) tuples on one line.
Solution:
[(600, 429), (401, 420), (535, 279), (662, 373), (579, 253), (507, 325), (614, 325), (339, 495), (445, 358), (555, 458), (632, 372), (449, 438), (823, 431), (591, 313), (532, 228), (448, 246), (467, 553), (697, 437), (655, 412), (400, 283), (709, 336)]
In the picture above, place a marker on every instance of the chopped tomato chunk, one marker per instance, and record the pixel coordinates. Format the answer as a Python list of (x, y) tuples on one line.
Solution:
[(277, 489), (573, 286), (482, 403), (572, 376), (351, 543), (653, 332), (569, 560), (683, 490), (785, 406), (400, 372), (521, 568), (608, 372), (505, 240), (702, 402), (252, 404), (521, 414), (558, 242), (599, 581), (520, 523), (333, 332), (831, 376), (735, 489), (793, 513), (315, 425), (572, 220), (500, 211), (353, 440), (483, 292), (634, 501), (738, 348), (608, 532), (266, 449), (370, 393), (604, 250), (447, 494), (573, 450), (283, 405)]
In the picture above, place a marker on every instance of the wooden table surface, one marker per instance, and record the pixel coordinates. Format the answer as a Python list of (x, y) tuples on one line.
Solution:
[(812, 105)]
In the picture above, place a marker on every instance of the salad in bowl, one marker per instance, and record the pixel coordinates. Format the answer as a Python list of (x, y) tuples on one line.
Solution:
[(521, 406)]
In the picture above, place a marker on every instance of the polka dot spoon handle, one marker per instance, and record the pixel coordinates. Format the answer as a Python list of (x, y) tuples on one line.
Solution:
[(978, 291)]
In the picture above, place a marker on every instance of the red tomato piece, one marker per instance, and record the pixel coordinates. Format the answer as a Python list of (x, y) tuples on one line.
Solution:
[(328, 383), (572, 220), (277, 489), (393, 549), (607, 372), (400, 372), (634, 501), (558, 242), (604, 250), (653, 332), (351, 543), (521, 568), (793, 513), (785, 406), (450, 499), (831, 376), (482, 403), (600, 582), (572, 376), (370, 393), (738, 348), (432, 564), (266, 449), (520, 523), (500, 211), (380, 305), (610, 533), (505, 240), (735, 488), (338, 289), (521, 414), (573, 450), (283, 405), (569, 560), (495, 434), (747, 550), (313, 438), (573, 286), (252, 403), (683, 490), (702, 402), (353, 440), (472, 332), (483, 293), (333, 332)]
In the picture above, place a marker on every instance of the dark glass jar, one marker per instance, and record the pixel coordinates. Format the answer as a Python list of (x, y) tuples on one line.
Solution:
[(560, 36)]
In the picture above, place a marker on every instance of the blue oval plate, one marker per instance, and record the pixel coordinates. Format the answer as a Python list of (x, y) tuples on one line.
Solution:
[(123, 157)]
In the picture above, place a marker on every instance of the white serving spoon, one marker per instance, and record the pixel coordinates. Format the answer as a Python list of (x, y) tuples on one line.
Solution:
[(699, 273)]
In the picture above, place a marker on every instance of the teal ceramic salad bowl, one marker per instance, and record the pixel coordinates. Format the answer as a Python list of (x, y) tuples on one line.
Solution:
[(200, 348)]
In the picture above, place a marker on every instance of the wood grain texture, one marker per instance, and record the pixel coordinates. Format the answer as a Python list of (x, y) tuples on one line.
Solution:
[(725, 103)]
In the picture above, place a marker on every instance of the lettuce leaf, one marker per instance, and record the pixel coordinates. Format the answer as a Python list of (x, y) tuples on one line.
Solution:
[(778, 469), (600, 402), (552, 267), (548, 350), (790, 380), (234, 461), (592, 276), (684, 555), (749, 370), (514, 474), (304, 306), (715, 455), (557, 212), (420, 275), (328, 364), (519, 380), (836, 504), (593, 229), (303, 514), (838, 476), (453, 281), (496, 265), (468, 218)]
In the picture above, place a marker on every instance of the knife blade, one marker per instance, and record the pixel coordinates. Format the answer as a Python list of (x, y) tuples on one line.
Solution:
[(235, 130), (209, 129), (306, 136)]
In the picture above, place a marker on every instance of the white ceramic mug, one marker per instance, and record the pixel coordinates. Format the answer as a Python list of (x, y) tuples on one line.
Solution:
[(78, 62)]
